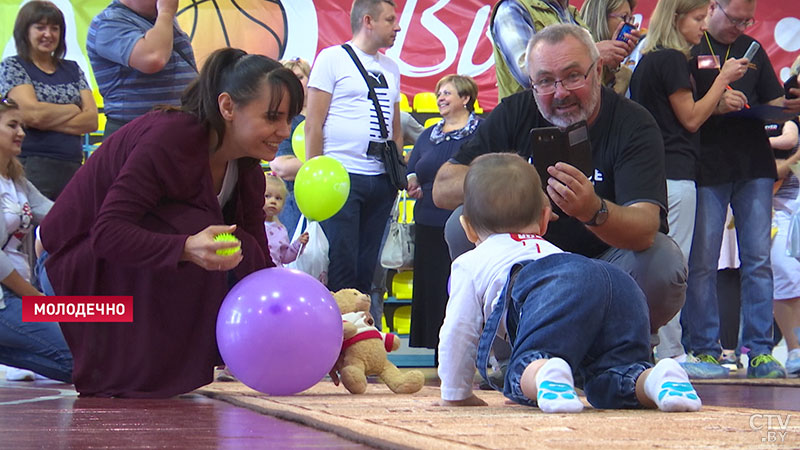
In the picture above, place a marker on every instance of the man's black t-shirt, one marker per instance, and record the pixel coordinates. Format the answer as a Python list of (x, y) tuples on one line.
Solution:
[(733, 148), (627, 150), (658, 75)]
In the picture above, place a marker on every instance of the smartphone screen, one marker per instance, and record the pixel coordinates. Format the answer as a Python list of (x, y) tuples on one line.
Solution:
[(751, 51), (626, 28)]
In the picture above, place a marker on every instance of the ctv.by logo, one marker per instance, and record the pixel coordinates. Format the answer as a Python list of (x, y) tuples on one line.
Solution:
[(774, 425)]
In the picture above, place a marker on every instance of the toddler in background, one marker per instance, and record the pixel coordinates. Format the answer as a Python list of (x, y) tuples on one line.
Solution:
[(280, 249), (558, 311)]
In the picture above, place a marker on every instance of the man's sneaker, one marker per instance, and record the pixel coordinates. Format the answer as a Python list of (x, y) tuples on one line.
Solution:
[(703, 369), (765, 366), (730, 360), (793, 362)]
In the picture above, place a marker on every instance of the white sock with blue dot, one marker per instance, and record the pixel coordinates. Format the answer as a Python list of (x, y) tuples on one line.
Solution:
[(556, 388), (669, 387)]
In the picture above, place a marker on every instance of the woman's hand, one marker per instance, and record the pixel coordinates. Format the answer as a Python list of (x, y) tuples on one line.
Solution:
[(733, 69), (303, 238), (414, 189), (201, 249)]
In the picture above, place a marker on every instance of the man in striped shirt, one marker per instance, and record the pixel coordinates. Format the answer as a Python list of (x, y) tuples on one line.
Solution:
[(140, 58)]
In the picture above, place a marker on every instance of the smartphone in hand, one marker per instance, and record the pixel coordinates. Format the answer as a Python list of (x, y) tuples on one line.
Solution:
[(751, 51), (791, 83), (626, 28), (550, 145)]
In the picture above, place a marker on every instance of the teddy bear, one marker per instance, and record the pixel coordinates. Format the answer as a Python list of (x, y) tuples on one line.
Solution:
[(364, 349)]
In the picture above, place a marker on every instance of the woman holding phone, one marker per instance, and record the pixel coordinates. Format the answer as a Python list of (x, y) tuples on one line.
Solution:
[(662, 84)]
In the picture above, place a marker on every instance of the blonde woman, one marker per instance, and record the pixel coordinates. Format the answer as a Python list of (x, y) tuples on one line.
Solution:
[(26, 347), (603, 18), (661, 83)]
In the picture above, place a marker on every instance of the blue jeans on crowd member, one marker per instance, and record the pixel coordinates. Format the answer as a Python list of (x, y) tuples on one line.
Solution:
[(660, 271), (290, 214), (585, 311), (36, 346), (355, 232), (751, 202)]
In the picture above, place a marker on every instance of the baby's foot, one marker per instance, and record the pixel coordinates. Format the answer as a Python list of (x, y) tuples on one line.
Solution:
[(555, 390), (669, 387)]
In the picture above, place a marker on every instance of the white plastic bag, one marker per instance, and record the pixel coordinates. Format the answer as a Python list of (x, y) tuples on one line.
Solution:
[(313, 257), (398, 251)]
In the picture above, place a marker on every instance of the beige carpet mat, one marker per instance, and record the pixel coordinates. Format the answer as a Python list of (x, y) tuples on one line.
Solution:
[(382, 419)]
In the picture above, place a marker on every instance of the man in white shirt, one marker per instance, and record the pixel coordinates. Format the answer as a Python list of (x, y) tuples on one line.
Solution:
[(557, 310), (341, 122)]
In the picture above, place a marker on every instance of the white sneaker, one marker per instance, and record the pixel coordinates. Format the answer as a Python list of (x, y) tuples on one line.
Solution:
[(17, 374)]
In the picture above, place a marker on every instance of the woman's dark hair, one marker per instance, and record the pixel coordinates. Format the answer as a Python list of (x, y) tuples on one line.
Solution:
[(36, 12), (240, 75)]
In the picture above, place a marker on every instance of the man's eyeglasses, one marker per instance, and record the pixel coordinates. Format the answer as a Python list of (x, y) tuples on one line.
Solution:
[(571, 82), (738, 23), (627, 18)]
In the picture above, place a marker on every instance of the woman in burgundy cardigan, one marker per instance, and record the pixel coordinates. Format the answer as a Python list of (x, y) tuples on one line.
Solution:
[(140, 216)]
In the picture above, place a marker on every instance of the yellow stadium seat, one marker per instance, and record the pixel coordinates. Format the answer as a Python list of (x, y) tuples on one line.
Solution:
[(404, 105), (101, 123), (402, 284), (407, 150), (425, 102), (477, 107), (432, 121), (401, 320)]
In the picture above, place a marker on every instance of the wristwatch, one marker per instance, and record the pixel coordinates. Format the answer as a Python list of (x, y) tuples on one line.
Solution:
[(600, 216)]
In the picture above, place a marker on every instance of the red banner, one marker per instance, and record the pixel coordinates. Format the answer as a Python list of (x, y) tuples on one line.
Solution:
[(77, 308), (440, 37)]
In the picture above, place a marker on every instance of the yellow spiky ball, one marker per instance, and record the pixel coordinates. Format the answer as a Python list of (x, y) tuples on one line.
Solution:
[(227, 237)]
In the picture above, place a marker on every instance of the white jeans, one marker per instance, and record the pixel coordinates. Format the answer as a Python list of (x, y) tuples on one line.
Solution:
[(682, 201)]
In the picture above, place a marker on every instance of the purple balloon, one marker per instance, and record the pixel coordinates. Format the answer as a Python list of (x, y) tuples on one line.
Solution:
[(279, 331)]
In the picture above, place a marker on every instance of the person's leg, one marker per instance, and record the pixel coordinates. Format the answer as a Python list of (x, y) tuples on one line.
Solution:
[(378, 200), (700, 315), (682, 201), (378, 287), (752, 210), (429, 299), (36, 346), (457, 241), (786, 282), (660, 271), (559, 310), (49, 175), (342, 231)]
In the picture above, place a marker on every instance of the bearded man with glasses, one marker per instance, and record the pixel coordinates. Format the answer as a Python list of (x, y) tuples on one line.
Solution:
[(736, 166), (619, 213)]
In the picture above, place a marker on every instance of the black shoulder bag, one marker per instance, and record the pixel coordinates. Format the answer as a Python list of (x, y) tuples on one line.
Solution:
[(386, 151)]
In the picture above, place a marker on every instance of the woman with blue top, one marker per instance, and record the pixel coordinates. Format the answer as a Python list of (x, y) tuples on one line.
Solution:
[(55, 99), (456, 96)]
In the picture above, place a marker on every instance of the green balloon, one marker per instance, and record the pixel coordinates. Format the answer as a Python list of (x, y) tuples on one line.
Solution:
[(299, 141), (321, 188)]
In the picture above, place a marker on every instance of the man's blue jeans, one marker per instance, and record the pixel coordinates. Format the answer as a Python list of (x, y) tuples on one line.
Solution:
[(586, 311), (751, 201), (355, 232)]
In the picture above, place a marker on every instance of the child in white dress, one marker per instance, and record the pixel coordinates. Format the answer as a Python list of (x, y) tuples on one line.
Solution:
[(281, 249)]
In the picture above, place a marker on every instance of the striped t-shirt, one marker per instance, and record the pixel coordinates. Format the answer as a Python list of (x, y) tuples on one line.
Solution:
[(128, 93)]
